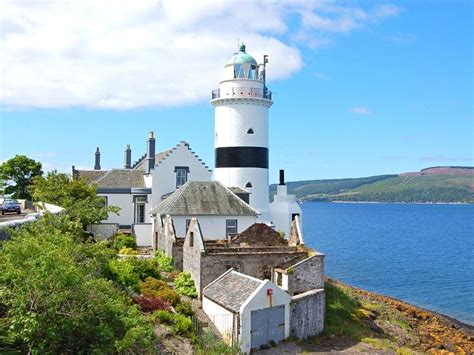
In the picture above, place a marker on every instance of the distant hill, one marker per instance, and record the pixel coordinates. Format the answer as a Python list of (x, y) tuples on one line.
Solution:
[(434, 184)]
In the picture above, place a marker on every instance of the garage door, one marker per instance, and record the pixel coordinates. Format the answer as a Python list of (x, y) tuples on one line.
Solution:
[(266, 325)]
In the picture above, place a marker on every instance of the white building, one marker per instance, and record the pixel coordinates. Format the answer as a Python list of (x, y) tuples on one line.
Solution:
[(138, 187), (247, 311)]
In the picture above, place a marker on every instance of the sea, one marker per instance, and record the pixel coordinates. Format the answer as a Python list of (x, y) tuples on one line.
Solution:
[(419, 253)]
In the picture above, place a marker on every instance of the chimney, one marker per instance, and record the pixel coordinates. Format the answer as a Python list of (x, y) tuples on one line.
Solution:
[(128, 157), (97, 159), (150, 152), (282, 177)]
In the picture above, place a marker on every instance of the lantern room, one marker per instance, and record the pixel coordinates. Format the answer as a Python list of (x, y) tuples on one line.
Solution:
[(241, 66)]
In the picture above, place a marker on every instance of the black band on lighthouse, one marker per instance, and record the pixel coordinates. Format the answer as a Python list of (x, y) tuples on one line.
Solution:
[(242, 157)]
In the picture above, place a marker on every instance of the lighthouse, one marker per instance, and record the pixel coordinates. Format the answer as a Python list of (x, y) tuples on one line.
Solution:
[(241, 129)]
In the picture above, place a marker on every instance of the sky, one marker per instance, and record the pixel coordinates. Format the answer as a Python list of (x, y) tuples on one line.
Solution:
[(360, 88)]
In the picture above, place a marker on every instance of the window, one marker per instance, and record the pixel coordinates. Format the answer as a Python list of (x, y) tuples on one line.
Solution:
[(191, 239), (181, 175), (140, 213), (230, 226), (293, 216), (105, 199), (250, 131), (248, 185)]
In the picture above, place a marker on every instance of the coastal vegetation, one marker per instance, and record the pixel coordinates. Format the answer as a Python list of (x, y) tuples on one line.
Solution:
[(387, 188), (361, 321)]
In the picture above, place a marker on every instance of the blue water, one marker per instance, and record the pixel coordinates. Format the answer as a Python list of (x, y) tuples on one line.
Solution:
[(422, 254)]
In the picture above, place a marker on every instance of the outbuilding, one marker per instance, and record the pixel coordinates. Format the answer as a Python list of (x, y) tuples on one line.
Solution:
[(247, 311)]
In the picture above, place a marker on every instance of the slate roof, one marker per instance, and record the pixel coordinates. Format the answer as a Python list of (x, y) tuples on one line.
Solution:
[(90, 175), (203, 198), (141, 164), (231, 290), (121, 178)]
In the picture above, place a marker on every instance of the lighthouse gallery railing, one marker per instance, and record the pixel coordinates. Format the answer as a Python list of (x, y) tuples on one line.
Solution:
[(242, 92)]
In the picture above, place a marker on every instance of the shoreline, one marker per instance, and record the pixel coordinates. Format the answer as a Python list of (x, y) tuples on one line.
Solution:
[(392, 203), (459, 323)]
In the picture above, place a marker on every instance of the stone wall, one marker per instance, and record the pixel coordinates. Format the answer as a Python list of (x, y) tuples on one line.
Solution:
[(306, 275), (307, 312)]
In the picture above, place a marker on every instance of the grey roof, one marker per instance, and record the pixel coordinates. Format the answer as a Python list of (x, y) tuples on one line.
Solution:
[(231, 290), (140, 165), (204, 198), (90, 175), (117, 178)]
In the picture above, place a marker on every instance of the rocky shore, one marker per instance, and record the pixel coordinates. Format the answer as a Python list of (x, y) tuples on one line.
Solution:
[(362, 321)]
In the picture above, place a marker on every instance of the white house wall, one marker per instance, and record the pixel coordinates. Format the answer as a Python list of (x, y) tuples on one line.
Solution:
[(164, 176), (212, 227), (260, 300), (221, 317), (126, 214)]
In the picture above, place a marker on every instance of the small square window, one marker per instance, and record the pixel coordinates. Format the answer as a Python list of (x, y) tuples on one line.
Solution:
[(230, 226)]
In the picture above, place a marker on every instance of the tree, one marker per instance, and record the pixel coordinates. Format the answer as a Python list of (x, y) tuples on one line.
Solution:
[(75, 195), (55, 298), (17, 174)]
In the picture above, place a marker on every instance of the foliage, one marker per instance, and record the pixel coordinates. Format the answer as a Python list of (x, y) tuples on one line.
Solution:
[(56, 298), (184, 285), (342, 316), (166, 262), (130, 270), (128, 251), (172, 275), (209, 345), (151, 285), (185, 308), (180, 324), (124, 241), (75, 195), (169, 295), (151, 304), (20, 172)]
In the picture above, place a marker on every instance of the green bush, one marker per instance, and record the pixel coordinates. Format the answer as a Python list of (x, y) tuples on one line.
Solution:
[(123, 240), (184, 285), (166, 262), (55, 298), (130, 270), (209, 345), (179, 323), (128, 251), (185, 309)]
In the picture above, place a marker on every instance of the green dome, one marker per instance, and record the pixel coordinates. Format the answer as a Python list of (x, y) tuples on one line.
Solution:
[(241, 57)]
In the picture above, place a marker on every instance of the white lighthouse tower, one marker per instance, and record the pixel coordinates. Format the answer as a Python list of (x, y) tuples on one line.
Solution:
[(241, 129)]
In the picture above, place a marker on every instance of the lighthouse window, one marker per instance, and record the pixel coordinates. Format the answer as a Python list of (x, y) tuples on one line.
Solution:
[(250, 131), (248, 185)]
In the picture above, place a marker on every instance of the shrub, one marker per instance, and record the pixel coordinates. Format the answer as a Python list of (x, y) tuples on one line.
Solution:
[(150, 286), (151, 304), (130, 271), (185, 308), (123, 240), (168, 295), (208, 344), (128, 251), (172, 275), (166, 262), (184, 285), (180, 324), (55, 299)]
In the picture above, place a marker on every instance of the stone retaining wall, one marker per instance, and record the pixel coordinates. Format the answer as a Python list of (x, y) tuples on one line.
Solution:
[(307, 311)]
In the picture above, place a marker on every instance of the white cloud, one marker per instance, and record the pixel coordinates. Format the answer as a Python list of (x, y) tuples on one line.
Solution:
[(360, 110), (124, 54)]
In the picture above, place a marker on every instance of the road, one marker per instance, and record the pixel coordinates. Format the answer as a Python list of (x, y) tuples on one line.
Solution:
[(13, 216)]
